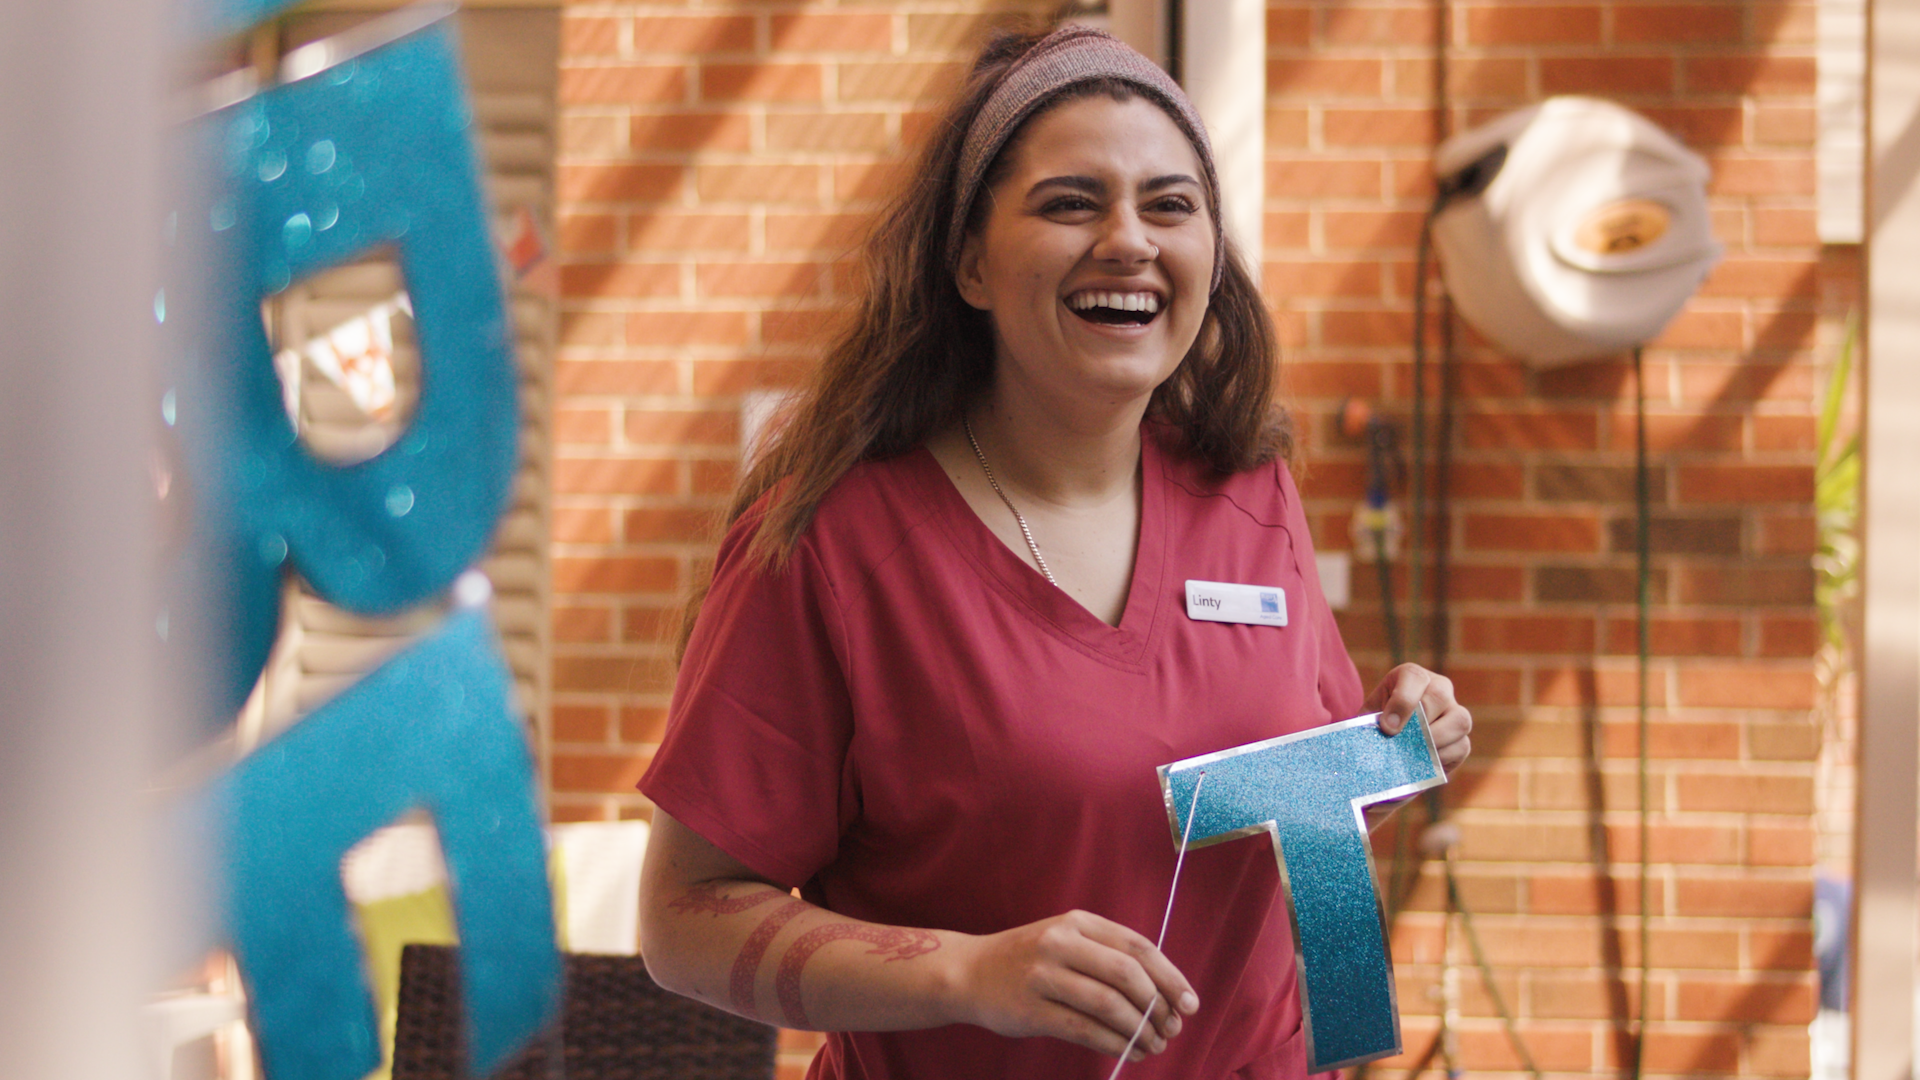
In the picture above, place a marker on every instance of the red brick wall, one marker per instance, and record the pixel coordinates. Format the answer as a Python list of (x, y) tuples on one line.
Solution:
[(1542, 614), (717, 160)]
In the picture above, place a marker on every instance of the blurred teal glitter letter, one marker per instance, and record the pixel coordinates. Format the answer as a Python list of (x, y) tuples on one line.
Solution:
[(431, 727), (1309, 790), (372, 151), (371, 148)]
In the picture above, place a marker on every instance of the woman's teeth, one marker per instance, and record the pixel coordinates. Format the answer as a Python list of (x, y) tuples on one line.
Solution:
[(1118, 301), (1126, 308)]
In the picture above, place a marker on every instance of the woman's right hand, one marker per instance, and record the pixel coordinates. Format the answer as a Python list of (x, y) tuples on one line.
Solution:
[(1077, 977)]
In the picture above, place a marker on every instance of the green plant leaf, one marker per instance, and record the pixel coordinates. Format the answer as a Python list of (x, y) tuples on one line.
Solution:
[(1829, 421), (1836, 500)]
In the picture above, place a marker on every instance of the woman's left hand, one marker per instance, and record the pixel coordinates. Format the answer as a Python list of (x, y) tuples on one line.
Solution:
[(1411, 685)]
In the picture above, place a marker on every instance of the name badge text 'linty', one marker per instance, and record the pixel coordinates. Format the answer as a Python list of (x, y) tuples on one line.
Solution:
[(1220, 601)]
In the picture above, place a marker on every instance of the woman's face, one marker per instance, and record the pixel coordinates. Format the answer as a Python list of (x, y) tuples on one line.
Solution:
[(1095, 256)]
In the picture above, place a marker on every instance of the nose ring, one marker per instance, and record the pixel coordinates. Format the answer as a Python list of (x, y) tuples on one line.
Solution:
[(1156, 253)]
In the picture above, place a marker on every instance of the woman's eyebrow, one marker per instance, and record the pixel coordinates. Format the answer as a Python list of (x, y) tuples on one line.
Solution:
[(1094, 186), (1087, 184), (1168, 180)]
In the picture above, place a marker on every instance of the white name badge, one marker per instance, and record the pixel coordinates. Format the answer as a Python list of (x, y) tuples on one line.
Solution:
[(1220, 601)]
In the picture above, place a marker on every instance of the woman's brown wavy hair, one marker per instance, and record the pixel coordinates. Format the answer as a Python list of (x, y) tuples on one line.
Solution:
[(911, 356)]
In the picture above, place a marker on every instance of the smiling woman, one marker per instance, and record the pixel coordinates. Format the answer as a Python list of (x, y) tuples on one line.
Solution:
[(1093, 256), (943, 649)]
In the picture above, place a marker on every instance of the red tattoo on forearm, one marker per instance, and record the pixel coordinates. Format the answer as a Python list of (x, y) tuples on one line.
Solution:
[(746, 966), (898, 943), (706, 897)]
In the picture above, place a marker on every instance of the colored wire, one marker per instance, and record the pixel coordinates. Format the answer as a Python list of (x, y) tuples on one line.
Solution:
[(1439, 636), (1417, 481), (1449, 1040), (1643, 551), (1165, 921), (1387, 614), (1401, 883), (1486, 976)]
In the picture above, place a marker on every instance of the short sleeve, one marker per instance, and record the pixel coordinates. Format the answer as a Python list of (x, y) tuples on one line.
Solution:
[(1340, 688), (758, 730)]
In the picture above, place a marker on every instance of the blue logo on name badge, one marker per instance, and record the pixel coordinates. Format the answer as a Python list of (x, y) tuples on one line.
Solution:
[(1269, 603)]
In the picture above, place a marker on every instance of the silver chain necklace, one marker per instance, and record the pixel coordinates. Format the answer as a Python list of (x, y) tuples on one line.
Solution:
[(1017, 516)]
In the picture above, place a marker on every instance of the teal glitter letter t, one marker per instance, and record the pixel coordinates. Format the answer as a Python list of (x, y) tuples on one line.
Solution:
[(1309, 791)]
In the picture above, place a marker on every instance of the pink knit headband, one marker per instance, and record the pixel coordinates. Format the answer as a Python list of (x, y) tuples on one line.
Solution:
[(1070, 55)]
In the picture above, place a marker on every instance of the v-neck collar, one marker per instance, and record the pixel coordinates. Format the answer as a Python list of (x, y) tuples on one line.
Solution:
[(1046, 603)]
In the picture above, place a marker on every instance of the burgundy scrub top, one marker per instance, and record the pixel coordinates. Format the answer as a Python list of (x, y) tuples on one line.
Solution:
[(916, 728)]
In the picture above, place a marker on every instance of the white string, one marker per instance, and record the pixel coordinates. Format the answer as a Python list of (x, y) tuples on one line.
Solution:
[(1165, 920)]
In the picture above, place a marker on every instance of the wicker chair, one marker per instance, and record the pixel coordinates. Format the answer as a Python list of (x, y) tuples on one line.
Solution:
[(616, 1024)]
